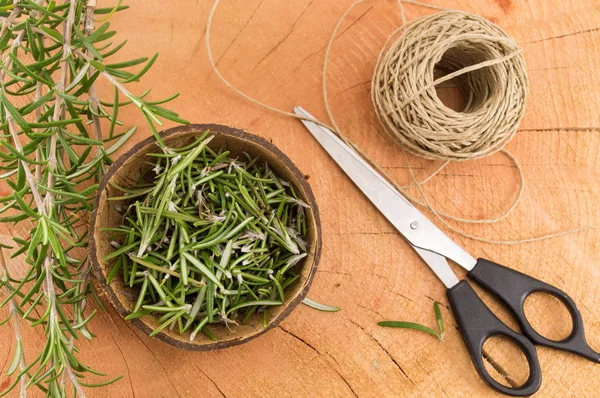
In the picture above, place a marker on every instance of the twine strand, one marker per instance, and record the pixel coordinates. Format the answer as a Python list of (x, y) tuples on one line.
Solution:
[(491, 147), (440, 216)]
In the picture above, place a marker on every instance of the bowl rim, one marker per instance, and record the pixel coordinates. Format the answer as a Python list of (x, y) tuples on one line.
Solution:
[(108, 290)]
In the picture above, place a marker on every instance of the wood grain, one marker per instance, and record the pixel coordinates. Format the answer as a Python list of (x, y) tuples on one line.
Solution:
[(273, 50)]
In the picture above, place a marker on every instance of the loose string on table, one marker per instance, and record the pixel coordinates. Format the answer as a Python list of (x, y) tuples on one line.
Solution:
[(495, 58)]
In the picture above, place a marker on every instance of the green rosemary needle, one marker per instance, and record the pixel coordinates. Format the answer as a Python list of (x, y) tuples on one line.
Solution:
[(214, 240), (319, 306), (415, 326)]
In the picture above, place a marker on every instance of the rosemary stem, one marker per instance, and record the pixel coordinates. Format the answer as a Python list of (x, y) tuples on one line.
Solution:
[(50, 292), (29, 177), (92, 94), (90, 7), (14, 14), (11, 124), (52, 159), (82, 288), (74, 380), (38, 116), (58, 102), (38, 110)]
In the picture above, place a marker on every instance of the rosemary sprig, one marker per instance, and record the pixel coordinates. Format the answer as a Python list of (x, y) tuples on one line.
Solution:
[(213, 240), (53, 151), (415, 326)]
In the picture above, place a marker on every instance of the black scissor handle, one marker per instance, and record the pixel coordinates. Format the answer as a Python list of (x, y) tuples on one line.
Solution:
[(477, 324), (513, 287)]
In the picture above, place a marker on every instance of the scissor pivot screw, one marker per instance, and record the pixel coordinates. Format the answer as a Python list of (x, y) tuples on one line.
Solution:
[(414, 225)]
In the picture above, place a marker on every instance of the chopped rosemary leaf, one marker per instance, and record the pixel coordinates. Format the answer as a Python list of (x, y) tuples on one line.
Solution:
[(215, 240)]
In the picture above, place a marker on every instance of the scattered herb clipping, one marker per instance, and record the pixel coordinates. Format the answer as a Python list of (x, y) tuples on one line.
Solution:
[(319, 306), (415, 326), (208, 239)]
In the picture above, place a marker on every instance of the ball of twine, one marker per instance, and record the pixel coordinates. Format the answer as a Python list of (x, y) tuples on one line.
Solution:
[(489, 69), (487, 66)]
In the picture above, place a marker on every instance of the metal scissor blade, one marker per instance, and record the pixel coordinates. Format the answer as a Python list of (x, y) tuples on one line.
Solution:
[(439, 265), (415, 227)]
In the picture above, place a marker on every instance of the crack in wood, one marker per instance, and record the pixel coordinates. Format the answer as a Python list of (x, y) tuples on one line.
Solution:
[(320, 355), (346, 382), (133, 332), (559, 129), (155, 357), (196, 48), (333, 358), (370, 309), (401, 167), (212, 381), (300, 339), (498, 368), (325, 46), (355, 22), (308, 56), (343, 378), (284, 39), (564, 35), (347, 274), (324, 271), (429, 374), (126, 365), (198, 45), (366, 233), (495, 365), (401, 295), (384, 350), (239, 33), (439, 302), (351, 87)]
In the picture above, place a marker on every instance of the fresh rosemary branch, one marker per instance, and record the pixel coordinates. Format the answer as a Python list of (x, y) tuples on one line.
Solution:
[(57, 138), (207, 239)]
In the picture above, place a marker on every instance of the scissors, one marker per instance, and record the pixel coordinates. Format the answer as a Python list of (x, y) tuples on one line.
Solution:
[(476, 321)]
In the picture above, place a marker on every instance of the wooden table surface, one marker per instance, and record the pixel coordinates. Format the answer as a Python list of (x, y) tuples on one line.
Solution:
[(274, 50)]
